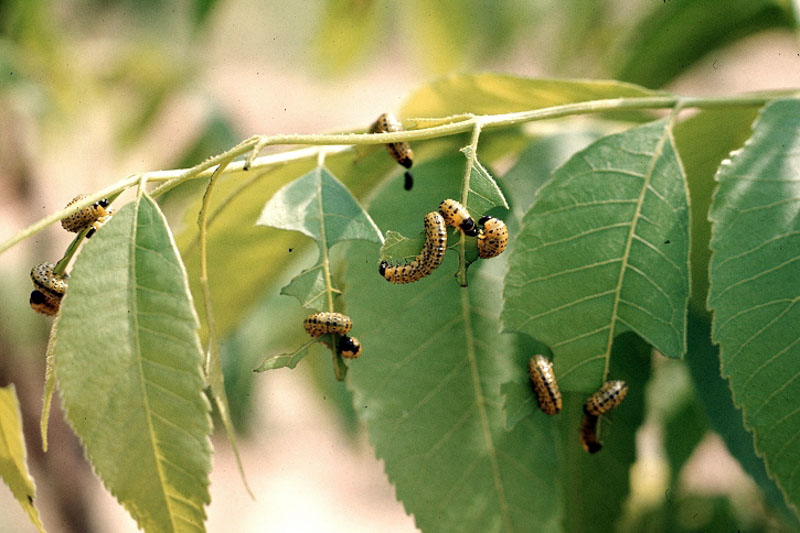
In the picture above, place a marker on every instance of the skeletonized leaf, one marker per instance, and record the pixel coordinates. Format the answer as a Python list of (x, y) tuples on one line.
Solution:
[(129, 367), (755, 286), (604, 250), (317, 205), (13, 460)]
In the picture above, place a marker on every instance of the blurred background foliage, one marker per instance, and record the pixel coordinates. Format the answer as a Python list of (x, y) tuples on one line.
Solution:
[(94, 90)]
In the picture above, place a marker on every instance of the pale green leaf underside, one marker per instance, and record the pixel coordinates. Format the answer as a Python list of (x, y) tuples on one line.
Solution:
[(318, 205), (309, 288), (428, 386), (129, 367), (604, 250), (13, 462), (755, 286), (483, 194)]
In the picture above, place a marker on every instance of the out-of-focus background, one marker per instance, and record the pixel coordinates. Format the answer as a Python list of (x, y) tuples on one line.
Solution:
[(94, 90)]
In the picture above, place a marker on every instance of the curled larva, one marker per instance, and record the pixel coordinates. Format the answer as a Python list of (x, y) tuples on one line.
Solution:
[(545, 385), (93, 216), (46, 281), (492, 238), (607, 398), (588, 434), (427, 260), (400, 151), (45, 302), (325, 322), (456, 215), (349, 347)]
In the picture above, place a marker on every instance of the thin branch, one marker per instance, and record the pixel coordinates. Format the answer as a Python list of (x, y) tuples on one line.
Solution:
[(342, 142)]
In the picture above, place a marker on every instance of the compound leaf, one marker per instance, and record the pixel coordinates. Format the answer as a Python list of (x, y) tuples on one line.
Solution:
[(604, 250), (130, 370), (755, 286)]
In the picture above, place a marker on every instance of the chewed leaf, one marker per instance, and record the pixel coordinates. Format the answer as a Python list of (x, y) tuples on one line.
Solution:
[(13, 462), (484, 193), (604, 250), (318, 205), (284, 360), (397, 247), (309, 287), (130, 371), (428, 386), (755, 286)]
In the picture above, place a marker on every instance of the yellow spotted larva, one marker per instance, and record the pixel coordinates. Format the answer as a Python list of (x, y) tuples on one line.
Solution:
[(94, 215), (492, 238), (349, 347), (545, 385), (400, 151), (325, 322), (588, 434), (456, 215), (45, 280), (607, 398), (427, 260)]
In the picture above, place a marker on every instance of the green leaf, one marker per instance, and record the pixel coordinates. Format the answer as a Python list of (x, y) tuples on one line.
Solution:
[(755, 287), (604, 250), (285, 360), (428, 386), (13, 460), (318, 205), (497, 93), (398, 247), (537, 162), (309, 288), (674, 37), (129, 367), (597, 485), (484, 193)]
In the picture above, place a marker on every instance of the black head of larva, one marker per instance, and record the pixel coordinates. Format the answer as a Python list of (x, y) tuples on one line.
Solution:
[(382, 268), (457, 215), (484, 219), (349, 347), (45, 302)]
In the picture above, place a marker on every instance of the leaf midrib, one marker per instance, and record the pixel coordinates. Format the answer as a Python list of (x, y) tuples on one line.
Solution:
[(139, 357), (480, 405), (657, 153)]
